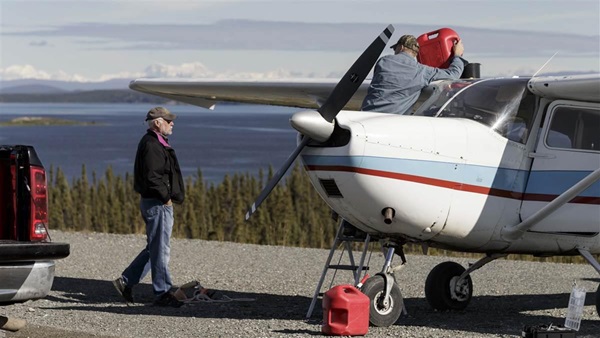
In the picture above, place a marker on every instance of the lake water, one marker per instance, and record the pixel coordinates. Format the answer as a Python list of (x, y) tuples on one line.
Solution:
[(230, 139)]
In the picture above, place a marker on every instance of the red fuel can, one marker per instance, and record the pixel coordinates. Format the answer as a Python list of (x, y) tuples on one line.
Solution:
[(436, 47), (345, 311)]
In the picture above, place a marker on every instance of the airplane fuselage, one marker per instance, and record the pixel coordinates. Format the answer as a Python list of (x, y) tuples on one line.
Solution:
[(455, 183)]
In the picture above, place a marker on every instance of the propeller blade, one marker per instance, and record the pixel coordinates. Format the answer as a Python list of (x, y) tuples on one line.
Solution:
[(339, 97), (354, 77), (276, 178)]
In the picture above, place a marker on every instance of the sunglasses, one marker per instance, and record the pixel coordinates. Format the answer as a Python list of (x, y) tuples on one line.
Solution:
[(168, 121)]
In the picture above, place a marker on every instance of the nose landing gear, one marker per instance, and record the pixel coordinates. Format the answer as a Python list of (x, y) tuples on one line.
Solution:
[(386, 302), (383, 311)]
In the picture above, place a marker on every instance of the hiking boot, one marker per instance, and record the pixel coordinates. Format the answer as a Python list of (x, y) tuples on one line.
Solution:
[(123, 289), (168, 299)]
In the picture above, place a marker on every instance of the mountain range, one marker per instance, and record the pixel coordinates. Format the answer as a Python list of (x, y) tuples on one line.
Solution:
[(49, 88), (39, 91)]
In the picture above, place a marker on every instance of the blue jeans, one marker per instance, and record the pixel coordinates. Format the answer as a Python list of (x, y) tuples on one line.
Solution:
[(155, 256)]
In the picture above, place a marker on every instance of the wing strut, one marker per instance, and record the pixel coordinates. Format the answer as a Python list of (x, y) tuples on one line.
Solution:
[(512, 233)]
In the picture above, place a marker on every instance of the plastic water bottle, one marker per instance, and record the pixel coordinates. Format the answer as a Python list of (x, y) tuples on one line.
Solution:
[(576, 303)]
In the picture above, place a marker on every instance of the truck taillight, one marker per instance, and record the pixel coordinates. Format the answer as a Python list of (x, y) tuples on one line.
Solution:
[(39, 205)]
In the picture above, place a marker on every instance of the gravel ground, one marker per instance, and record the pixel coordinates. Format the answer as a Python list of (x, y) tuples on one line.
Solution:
[(507, 294)]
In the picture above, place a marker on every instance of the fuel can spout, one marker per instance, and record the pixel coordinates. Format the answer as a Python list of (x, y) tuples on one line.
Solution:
[(388, 214)]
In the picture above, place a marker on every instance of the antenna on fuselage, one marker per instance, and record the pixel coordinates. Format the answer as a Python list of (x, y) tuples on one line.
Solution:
[(544, 65)]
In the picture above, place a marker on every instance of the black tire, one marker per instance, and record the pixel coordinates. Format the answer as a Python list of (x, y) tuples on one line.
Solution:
[(598, 300), (437, 288), (379, 315)]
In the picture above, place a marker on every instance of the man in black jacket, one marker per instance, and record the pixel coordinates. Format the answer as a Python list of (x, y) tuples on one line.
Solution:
[(158, 180)]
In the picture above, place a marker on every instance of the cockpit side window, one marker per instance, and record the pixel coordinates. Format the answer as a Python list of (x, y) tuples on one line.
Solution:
[(574, 128)]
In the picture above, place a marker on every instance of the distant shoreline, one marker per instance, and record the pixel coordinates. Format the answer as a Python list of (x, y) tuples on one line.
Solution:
[(43, 121)]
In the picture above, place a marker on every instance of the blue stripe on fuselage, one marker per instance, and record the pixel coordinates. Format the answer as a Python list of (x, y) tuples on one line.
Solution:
[(511, 180)]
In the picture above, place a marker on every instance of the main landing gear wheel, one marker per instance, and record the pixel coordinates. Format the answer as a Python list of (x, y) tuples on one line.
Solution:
[(380, 313), (439, 290)]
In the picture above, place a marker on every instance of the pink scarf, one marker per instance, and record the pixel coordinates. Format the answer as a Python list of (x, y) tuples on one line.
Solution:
[(162, 139)]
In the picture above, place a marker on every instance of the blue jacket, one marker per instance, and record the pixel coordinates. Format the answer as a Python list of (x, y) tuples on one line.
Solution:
[(398, 80)]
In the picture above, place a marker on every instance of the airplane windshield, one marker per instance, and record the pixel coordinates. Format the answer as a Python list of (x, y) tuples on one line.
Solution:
[(505, 105), (435, 96)]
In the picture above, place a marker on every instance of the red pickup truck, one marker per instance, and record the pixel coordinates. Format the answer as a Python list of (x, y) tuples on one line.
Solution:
[(26, 252)]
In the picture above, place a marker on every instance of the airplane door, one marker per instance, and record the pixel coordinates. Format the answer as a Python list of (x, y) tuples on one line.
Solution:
[(568, 149)]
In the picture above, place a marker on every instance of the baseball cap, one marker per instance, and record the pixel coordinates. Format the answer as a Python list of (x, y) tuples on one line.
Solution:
[(408, 41), (157, 112)]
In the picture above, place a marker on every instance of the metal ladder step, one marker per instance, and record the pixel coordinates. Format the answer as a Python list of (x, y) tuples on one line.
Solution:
[(343, 238)]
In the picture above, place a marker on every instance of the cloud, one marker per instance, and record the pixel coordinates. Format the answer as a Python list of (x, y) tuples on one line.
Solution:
[(41, 43), (23, 72), (184, 70), (198, 70), (92, 42), (296, 36), (17, 72), (170, 6)]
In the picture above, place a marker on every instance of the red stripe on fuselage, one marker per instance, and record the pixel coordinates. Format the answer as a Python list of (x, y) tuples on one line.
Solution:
[(452, 185)]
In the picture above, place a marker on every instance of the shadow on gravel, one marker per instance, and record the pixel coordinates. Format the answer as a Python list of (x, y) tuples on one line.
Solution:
[(308, 332), (93, 295), (502, 314)]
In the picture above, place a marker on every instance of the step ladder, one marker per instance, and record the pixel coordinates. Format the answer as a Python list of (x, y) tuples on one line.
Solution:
[(345, 236)]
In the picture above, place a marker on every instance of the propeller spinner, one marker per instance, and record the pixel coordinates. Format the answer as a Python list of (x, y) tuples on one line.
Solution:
[(319, 124)]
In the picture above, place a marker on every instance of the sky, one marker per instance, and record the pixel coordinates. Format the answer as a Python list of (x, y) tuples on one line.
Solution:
[(91, 41)]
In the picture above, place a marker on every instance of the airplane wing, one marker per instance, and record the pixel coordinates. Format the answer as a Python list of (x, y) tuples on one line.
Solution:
[(312, 93), (309, 93), (574, 87)]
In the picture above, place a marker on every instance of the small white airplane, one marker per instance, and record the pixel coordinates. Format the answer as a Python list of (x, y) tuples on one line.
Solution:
[(496, 166)]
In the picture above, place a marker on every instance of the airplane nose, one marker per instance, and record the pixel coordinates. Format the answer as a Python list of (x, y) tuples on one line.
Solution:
[(312, 124), (378, 180), (343, 149)]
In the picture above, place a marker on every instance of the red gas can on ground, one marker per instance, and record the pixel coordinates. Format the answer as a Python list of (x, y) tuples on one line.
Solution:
[(436, 47), (345, 311)]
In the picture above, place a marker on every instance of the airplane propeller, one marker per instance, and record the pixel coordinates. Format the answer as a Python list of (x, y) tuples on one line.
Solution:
[(320, 126)]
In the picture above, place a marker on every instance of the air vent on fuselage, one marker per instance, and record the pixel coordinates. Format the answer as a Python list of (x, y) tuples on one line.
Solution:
[(331, 188)]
